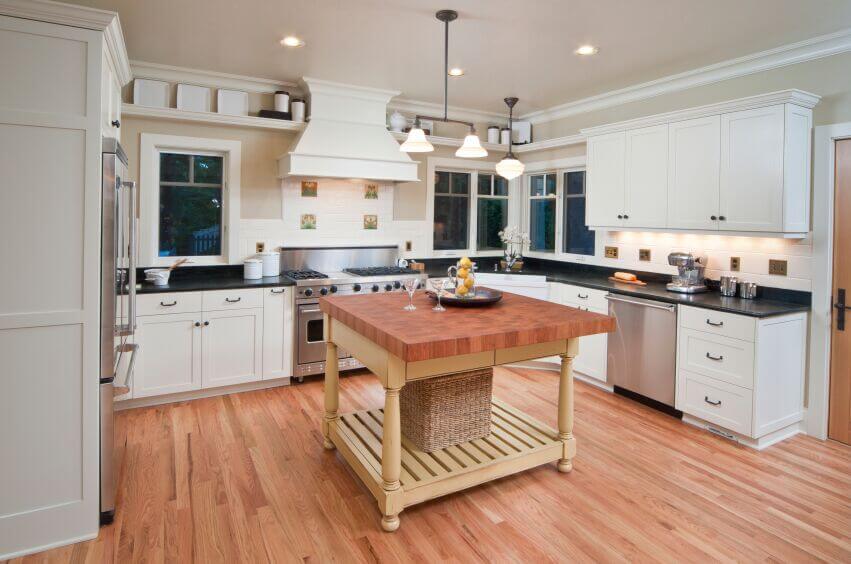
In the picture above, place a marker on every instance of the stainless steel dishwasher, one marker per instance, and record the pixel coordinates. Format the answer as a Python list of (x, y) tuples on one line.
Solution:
[(642, 355)]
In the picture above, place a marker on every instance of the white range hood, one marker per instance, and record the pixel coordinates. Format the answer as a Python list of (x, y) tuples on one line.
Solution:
[(346, 137)]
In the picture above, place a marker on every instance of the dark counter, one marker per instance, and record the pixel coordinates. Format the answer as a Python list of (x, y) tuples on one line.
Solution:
[(200, 278)]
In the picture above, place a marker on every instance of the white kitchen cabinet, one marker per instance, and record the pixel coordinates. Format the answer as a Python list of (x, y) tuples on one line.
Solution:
[(591, 360), (111, 97), (605, 180), (232, 347), (694, 164), (169, 357), (531, 286), (646, 177), (278, 333)]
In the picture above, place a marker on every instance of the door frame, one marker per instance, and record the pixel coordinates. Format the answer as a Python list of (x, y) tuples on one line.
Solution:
[(824, 161)]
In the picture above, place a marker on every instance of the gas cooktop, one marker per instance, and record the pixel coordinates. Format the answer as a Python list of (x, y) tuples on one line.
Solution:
[(304, 274), (379, 271)]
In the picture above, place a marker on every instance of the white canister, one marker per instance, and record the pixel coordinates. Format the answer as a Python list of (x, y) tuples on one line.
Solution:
[(297, 108), (282, 101), (252, 269), (504, 136), (493, 134), (271, 263), (398, 122)]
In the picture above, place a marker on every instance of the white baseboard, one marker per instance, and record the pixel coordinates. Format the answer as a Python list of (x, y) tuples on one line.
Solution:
[(761, 443), (198, 394)]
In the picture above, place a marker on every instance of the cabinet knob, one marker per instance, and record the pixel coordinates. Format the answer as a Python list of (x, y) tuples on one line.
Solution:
[(197, 324), (206, 323), (625, 216), (712, 217), (115, 123), (722, 218), (620, 216)]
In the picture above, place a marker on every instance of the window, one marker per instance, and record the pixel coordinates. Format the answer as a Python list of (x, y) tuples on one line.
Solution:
[(542, 212), (491, 211), (451, 210), (578, 239), (190, 215)]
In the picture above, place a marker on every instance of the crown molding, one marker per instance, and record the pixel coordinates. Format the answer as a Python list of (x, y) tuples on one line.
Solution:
[(77, 16), (793, 53), (405, 105), (169, 73), (792, 96)]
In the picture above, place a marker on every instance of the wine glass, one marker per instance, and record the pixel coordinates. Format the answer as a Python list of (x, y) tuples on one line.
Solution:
[(438, 284), (411, 285)]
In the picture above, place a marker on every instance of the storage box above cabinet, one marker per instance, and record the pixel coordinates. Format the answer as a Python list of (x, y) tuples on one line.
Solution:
[(740, 167)]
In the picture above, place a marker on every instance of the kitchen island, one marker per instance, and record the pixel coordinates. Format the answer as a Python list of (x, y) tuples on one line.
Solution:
[(402, 346)]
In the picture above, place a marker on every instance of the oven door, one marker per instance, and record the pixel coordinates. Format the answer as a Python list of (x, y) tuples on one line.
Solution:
[(311, 345)]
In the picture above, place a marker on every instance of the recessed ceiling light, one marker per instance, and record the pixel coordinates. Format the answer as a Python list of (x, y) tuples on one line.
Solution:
[(292, 41), (455, 71), (587, 50)]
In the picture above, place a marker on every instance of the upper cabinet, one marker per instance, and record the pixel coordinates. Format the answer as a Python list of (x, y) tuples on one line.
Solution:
[(736, 167)]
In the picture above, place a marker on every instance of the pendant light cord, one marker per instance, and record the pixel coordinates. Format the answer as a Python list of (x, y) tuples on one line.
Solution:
[(446, 70)]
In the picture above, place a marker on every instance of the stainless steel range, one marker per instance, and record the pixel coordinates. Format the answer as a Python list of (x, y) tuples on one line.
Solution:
[(328, 271)]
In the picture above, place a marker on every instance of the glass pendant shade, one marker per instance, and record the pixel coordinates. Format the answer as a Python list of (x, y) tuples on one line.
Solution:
[(416, 142), (510, 168), (472, 148)]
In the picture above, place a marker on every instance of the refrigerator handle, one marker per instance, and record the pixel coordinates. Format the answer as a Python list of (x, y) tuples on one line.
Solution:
[(130, 328), (124, 387)]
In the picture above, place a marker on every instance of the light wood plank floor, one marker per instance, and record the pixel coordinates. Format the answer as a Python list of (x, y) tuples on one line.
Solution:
[(245, 478)]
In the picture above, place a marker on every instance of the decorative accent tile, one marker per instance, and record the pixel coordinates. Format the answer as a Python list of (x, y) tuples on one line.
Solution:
[(309, 189), (371, 192), (308, 221), (370, 222)]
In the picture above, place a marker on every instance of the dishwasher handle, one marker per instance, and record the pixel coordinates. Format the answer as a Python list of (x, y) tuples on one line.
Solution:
[(644, 303)]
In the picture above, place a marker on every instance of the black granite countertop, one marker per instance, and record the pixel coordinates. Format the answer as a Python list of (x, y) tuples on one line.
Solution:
[(772, 302), (199, 278)]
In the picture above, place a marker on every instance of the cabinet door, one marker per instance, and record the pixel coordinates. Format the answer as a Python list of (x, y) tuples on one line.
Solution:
[(694, 164), (232, 347), (647, 177), (752, 170), (277, 333), (169, 357), (591, 360), (605, 180)]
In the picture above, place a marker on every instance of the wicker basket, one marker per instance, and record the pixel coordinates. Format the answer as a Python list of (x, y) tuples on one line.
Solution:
[(448, 410)]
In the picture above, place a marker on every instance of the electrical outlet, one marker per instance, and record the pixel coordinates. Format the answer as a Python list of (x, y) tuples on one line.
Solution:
[(777, 267), (259, 247), (644, 255), (735, 263), (408, 245), (612, 252)]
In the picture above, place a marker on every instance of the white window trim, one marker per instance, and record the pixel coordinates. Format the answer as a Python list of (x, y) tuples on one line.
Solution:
[(151, 145), (473, 168)]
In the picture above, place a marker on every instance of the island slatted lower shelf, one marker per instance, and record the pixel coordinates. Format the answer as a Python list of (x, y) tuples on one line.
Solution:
[(517, 442)]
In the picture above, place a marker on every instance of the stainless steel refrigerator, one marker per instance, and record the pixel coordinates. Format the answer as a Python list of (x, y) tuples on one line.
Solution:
[(118, 306)]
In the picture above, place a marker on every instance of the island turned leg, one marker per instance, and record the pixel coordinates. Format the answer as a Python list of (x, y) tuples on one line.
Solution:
[(391, 460), (565, 407), (332, 392)]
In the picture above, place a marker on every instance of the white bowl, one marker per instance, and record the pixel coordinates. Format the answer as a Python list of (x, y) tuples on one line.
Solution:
[(157, 276)]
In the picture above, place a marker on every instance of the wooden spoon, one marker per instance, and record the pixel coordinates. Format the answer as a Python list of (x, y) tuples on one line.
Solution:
[(177, 263)]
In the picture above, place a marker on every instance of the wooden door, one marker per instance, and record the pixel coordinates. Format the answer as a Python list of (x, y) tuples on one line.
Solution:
[(694, 167), (169, 358), (605, 180), (839, 422), (647, 177), (752, 145), (232, 347)]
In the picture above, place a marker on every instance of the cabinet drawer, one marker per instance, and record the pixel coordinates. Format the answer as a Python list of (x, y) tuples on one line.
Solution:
[(728, 360), (219, 300), (584, 297), (717, 402), (718, 323), (175, 302)]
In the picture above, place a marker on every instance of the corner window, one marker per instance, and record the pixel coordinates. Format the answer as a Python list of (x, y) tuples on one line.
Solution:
[(190, 214), (451, 210), (578, 239), (542, 212), (491, 211)]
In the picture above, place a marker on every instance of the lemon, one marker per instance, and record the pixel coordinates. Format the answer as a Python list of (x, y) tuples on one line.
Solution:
[(461, 291), (468, 283), (463, 272), (465, 263)]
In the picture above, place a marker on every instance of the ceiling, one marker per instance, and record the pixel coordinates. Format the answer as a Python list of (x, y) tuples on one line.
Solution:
[(506, 47)]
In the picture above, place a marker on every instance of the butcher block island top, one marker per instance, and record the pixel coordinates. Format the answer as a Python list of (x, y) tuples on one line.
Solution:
[(425, 334), (401, 346)]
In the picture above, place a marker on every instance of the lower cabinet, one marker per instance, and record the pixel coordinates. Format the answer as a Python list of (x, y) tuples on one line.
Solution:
[(231, 347), (169, 358), (591, 361)]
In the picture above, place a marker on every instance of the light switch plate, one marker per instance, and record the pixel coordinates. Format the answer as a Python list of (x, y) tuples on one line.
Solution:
[(259, 247), (777, 267), (735, 263), (612, 252), (644, 255)]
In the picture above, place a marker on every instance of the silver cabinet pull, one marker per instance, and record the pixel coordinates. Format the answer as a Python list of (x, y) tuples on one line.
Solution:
[(710, 402), (719, 324), (174, 303), (232, 301), (273, 291), (718, 358)]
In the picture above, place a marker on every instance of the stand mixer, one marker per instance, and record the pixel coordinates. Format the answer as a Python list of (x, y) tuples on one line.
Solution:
[(689, 279)]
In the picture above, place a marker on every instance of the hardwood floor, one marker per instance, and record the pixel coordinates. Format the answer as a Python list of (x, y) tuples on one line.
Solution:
[(236, 478)]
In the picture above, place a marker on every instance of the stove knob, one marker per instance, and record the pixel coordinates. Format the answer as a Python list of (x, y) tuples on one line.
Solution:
[(324, 291), (388, 287), (356, 287), (397, 284), (333, 289), (308, 292), (375, 287)]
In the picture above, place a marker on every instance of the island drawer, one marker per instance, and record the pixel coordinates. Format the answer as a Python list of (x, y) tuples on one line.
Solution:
[(584, 297), (718, 323), (718, 402), (173, 302), (218, 300)]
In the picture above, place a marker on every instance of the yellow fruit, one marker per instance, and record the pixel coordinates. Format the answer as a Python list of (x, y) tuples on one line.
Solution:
[(465, 263), (469, 282), (463, 272), (461, 291)]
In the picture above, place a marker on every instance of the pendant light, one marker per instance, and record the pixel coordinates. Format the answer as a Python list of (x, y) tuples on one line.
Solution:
[(416, 141), (509, 167)]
